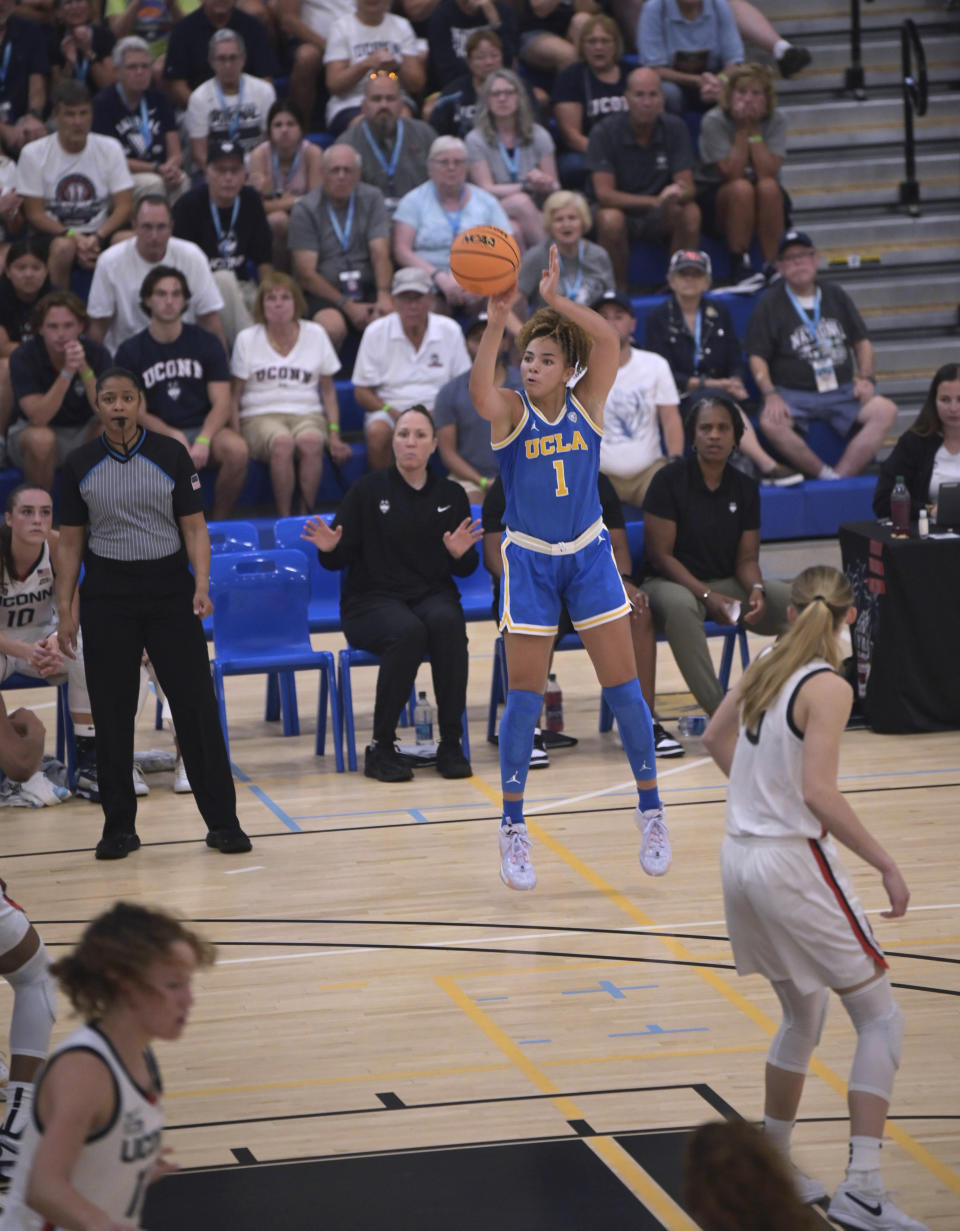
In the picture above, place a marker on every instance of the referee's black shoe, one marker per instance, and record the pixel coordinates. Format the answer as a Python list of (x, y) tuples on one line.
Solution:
[(117, 845), (229, 841)]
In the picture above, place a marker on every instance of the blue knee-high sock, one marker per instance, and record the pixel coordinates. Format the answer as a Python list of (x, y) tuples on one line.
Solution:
[(636, 731), (516, 743)]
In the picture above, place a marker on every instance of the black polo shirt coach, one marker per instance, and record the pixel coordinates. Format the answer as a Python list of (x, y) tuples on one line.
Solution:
[(642, 169)]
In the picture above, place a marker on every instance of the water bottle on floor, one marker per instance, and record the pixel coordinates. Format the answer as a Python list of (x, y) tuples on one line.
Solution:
[(553, 705), (423, 719)]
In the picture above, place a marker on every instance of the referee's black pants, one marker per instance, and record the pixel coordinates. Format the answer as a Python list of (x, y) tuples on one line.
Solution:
[(403, 634), (116, 629)]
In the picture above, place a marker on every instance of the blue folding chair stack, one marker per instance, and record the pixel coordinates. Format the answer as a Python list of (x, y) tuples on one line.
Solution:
[(260, 626)]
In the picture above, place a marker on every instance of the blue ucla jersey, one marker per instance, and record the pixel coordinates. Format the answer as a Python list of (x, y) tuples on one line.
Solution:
[(549, 472)]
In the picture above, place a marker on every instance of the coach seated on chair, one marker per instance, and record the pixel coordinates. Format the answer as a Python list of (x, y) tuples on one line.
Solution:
[(702, 543)]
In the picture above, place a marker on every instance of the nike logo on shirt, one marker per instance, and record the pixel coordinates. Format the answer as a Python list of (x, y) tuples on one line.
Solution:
[(442, 508)]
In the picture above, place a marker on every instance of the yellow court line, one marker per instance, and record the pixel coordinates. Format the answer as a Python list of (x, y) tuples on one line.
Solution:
[(918, 1152), (625, 1168)]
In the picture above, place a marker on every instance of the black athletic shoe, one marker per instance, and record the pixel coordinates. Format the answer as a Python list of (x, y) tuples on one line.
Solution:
[(664, 745), (538, 753), (451, 763), (794, 60), (229, 841), (557, 739), (116, 845), (386, 764), (87, 785)]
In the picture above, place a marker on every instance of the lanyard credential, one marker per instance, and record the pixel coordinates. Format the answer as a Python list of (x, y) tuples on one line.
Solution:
[(809, 324), (697, 348), (143, 123), (454, 217), (218, 225), (235, 116), (280, 185), (570, 289), (342, 232), (512, 160), (391, 166)]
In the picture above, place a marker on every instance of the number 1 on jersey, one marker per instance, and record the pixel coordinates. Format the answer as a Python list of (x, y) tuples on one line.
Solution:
[(562, 489)]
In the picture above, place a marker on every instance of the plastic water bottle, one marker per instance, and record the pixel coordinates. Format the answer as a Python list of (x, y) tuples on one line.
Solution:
[(923, 524), (900, 508), (423, 719), (553, 705), (692, 724)]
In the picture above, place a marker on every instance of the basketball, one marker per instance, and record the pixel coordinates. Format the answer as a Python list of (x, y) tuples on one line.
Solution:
[(484, 260)]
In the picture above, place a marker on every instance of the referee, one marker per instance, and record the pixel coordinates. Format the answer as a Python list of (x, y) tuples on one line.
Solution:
[(140, 497)]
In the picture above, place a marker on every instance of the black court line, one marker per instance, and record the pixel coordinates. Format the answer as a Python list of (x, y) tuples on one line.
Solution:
[(435, 1105), (391, 1101), (583, 1129), (719, 1104), (243, 1155)]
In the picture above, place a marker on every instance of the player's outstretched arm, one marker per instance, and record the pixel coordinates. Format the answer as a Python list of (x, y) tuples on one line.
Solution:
[(498, 406)]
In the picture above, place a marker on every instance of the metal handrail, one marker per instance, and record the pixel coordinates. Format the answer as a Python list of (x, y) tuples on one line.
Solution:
[(853, 79), (913, 64)]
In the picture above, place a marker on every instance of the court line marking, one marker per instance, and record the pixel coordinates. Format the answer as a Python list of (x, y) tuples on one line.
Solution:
[(624, 1167), (255, 867), (618, 899), (608, 790)]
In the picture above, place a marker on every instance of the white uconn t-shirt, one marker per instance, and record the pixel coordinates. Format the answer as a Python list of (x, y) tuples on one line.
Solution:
[(76, 189), (282, 384), (631, 423)]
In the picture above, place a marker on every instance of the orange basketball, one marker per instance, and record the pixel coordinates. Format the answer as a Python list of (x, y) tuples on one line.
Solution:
[(484, 260)]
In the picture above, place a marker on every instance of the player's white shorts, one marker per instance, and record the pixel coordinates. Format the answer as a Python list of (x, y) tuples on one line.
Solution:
[(791, 913), (14, 924)]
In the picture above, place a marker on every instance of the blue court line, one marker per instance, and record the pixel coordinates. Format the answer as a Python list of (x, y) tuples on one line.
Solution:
[(530, 1042), (654, 1029), (275, 808), (485, 999), (608, 986), (238, 773), (417, 816)]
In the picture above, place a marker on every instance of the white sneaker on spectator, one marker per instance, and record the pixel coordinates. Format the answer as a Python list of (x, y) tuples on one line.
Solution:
[(655, 847), (516, 868), (140, 787), (181, 783)]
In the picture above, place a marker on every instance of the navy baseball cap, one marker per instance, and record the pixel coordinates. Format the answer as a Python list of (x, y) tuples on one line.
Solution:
[(690, 259), (794, 239), (473, 322), (616, 297), (218, 150)]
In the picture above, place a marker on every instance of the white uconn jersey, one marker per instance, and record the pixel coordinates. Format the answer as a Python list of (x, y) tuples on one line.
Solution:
[(114, 1166), (765, 795), (27, 611)]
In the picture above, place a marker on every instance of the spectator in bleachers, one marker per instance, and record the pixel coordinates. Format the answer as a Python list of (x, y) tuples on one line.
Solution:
[(755, 28), (304, 25), (114, 300), (928, 452), (453, 111), (403, 534), (79, 47), (428, 218), (150, 20), (689, 43), (283, 169), (404, 360), (585, 268), (550, 32), (283, 392), (232, 105), (698, 339), (340, 241), (803, 342), (454, 23), (23, 82), (463, 438), (225, 218), (511, 157), (142, 120), (587, 92), (743, 143), (393, 148), (188, 56), (701, 521), (186, 381), (641, 163), (370, 40), (23, 284), (75, 185), (641, 407), (12, 221), (54, 377)]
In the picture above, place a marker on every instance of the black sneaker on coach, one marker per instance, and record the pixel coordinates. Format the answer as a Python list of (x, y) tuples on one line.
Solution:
[(229, 841), (386, 764), (116, 845), (451, 763)]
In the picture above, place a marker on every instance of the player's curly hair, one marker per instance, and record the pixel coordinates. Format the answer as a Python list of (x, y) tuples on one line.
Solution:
[(573, 341), (116, 949)]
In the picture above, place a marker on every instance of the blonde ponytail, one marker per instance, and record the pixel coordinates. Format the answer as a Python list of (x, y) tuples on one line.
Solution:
[(822, 596)]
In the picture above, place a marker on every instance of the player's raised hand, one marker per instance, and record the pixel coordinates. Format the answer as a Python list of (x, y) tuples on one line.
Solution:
[(550, 278), (322, 536), (498, 306)]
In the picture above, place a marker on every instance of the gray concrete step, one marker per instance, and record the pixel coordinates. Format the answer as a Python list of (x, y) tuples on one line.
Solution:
[(795, 18), (916, 358), (914, 301), (846, 123), (880, 56), (874, 242), (856, 181)]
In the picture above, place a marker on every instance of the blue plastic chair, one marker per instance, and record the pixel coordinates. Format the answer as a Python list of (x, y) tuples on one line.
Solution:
[(227, 536), (260, 626), (323, 612), (66, 742)]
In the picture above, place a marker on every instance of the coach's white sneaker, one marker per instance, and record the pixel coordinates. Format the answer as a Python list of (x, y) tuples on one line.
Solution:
[(181, 783), (516, 869), (655, 846), (808, 1189), (869, 1210)]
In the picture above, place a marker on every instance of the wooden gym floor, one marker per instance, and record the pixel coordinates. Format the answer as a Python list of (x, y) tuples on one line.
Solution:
[(392, 1038)]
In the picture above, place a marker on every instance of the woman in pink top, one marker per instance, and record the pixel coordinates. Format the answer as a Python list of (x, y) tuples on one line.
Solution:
[(284, 168)]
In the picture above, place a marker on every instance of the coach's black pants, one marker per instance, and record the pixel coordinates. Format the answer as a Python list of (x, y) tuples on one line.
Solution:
[(116, 629), (403, 634)]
